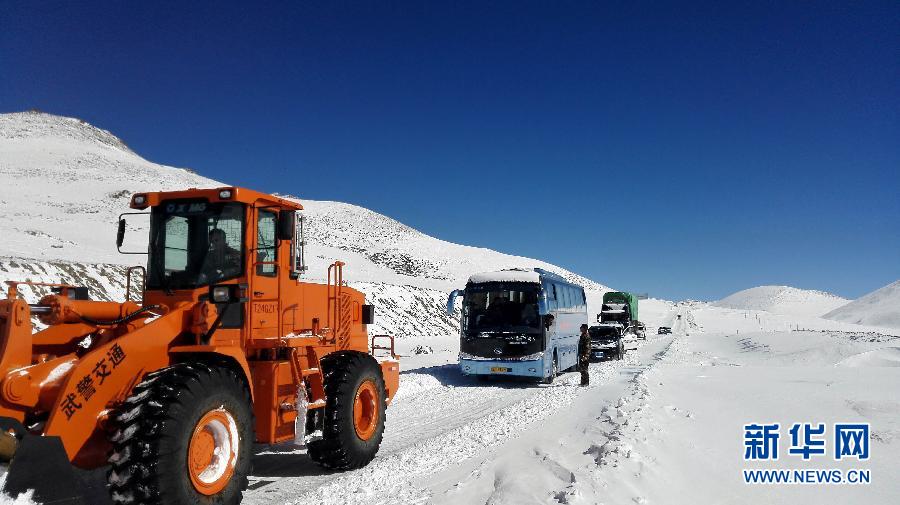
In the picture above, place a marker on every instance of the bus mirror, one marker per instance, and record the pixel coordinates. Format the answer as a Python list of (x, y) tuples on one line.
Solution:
[(451, 299), (542, 305)]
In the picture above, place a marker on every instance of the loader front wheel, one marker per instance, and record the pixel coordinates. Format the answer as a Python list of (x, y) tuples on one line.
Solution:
[(354, 412), (184, 436)]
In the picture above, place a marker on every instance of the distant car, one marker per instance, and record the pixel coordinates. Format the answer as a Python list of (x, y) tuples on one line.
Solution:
[(640, 330), (663, 330)]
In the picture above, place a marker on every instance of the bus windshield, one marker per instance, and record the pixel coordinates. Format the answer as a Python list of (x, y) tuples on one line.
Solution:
[(502, 308)]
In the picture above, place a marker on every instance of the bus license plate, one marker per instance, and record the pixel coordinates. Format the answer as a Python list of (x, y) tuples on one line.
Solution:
[(500, 369)]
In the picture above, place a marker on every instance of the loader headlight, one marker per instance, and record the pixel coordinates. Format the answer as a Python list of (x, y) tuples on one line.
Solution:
[(139, 201), (225, 293), (225, 194), (221, 294)]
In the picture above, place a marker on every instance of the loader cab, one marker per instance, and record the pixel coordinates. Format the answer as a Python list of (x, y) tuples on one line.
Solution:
[(203, 238), (195, 243)]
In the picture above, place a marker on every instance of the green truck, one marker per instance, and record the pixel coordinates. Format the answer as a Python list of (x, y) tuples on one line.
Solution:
[(622, 308), (619, 307), (617, 317)]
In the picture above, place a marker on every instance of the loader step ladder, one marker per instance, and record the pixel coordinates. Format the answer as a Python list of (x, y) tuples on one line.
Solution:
[(335, 308)]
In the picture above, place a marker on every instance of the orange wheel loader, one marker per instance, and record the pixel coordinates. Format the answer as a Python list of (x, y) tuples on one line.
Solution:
[(226, 347)]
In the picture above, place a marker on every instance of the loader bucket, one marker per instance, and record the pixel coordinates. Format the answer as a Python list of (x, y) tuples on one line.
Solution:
[(39, 464)]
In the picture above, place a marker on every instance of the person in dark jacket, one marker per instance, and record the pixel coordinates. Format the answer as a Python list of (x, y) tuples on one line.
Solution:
[(584, 354)]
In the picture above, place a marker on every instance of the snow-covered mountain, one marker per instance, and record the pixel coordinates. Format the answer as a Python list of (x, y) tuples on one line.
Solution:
[(878, 308), (783, 300), (64, 182)]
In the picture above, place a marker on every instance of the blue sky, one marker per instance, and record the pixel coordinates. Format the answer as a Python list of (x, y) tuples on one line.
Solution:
[(687, 151)]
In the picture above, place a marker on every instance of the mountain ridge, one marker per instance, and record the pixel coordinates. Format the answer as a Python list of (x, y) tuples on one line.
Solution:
[(783, 300), (73, 180), (878, 308)]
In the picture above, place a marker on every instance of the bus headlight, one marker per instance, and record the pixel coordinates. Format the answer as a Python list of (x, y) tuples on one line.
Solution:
[(529, 357)]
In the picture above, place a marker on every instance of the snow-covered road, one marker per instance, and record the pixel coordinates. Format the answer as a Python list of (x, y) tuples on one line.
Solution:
[(662, 426), (667, 428), (439, 419)]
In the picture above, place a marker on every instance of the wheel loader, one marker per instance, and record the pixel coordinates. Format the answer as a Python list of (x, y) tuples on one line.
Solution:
[(222, 346)]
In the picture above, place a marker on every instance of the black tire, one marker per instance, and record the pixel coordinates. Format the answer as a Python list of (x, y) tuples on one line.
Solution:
[(340, 447), (154, 429), (554, 370)]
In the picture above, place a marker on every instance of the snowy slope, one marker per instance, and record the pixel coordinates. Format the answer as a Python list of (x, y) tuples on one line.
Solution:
[(783, 300), (878, 308), (64, 182)]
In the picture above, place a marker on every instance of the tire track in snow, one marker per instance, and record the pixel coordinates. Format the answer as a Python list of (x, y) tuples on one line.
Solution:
[(433, 429)]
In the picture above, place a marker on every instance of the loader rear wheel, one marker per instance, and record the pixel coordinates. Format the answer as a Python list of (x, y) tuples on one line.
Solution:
[(354, 412), (184, 436)]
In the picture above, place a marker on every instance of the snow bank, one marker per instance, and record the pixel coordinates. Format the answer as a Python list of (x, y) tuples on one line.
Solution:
[(888, 356)]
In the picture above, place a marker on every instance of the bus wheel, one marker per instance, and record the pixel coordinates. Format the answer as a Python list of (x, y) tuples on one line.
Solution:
[(554, 370)]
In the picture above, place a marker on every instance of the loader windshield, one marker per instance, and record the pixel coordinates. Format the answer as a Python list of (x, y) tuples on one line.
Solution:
[(195, 243)]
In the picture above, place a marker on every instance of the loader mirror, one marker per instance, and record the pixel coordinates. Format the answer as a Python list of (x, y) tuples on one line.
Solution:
[(120, 231), (286, 225), (120, 234), (368, 314), (298, 247)]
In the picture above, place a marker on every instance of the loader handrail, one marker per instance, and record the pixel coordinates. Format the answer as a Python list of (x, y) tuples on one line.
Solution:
[(381, 347), (12, 290)]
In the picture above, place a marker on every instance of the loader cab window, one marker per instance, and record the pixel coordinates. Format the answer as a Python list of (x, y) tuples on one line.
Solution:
[(176, 247), (266, 249), (195, 243)]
